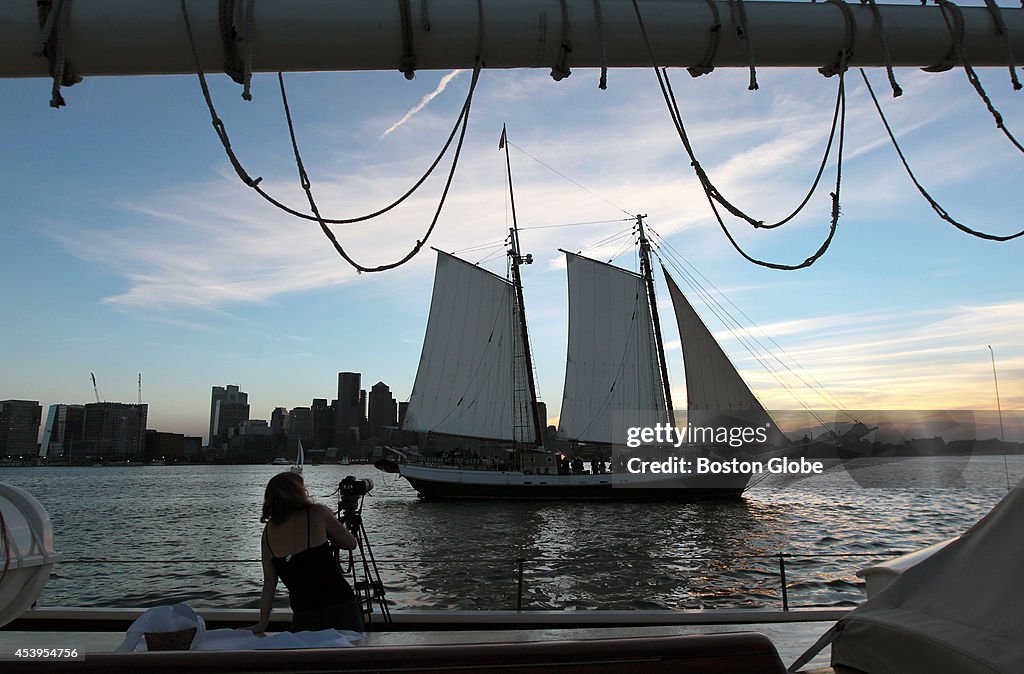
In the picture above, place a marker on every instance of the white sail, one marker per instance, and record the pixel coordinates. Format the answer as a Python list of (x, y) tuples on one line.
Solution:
[(612, 374), (712, 383), (297, 468), (464, 383)]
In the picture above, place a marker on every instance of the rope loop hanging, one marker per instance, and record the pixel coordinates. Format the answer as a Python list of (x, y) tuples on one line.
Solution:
[(461, 124), (939, 210), (897, 91), (712, 194), (738, 11), (846, 53), (407, 64), (53, 20), (955, 23), (561, 70), (707, 64)]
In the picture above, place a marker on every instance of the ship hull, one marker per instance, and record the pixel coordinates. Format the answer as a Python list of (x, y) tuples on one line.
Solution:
[(455, 484)]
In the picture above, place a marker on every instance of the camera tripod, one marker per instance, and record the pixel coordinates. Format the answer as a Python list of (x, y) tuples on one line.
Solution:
[(369, 587)]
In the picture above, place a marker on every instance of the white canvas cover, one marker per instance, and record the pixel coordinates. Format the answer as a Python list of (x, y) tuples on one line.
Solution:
[(464, 381), (960, 610), (611, 372)]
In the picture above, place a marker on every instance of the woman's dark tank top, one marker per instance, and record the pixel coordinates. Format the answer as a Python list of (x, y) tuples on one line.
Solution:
[(312, 576)]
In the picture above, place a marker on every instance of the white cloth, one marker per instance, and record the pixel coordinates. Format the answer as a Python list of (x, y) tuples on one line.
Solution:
[(162, 619)]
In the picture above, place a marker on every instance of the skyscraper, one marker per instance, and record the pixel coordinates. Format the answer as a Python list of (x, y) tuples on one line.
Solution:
[(383, 411), (228, 407), (348, 413), (19, 427)]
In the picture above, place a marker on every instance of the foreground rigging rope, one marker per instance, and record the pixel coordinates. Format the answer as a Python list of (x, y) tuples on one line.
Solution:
[(461, 124), (713, 195), (942, 213), (956, 30)]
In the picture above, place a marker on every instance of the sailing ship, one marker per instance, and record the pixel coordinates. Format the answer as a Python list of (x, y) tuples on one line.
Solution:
[(475, 382)]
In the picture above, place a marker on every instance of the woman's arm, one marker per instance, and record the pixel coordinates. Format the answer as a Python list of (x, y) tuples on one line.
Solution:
[(336, 531), (269, 587)]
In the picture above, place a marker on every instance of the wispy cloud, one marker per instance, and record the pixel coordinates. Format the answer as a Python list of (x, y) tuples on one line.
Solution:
[(441, 86)]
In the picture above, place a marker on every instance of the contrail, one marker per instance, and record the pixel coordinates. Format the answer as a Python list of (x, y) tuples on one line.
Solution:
[(423, 101)]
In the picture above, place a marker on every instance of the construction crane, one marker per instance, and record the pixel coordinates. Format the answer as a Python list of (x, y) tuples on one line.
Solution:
[(95, 389)]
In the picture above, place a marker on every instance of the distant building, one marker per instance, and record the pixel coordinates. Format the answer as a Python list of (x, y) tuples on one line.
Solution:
[(164, 446), (403, 407), (19, 427), (383, 411), (115, 431), (300, 426), (62, 433), (279, 421), (228, 407), (323, 417), (349, 411)]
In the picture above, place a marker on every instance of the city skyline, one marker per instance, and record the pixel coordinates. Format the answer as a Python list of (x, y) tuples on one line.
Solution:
[(155, 259)]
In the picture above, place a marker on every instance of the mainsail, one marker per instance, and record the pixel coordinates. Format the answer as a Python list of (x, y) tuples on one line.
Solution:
[(465, 384), (611, 372)]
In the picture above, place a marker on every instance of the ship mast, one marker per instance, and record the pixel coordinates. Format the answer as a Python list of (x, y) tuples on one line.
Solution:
[(517, 259), (646, 272)]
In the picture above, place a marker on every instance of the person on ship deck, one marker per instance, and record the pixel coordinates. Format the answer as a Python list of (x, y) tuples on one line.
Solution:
[(298, 548)]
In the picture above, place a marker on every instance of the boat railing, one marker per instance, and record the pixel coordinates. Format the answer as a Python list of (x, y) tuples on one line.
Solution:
[(783, 568)]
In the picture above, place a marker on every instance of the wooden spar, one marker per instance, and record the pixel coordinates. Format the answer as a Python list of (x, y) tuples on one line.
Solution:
[(128, 37)]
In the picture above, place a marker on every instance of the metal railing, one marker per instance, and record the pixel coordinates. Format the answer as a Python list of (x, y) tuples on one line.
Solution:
[(522, 565)]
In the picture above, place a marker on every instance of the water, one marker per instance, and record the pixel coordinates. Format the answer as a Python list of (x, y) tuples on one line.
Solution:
[(144, 536)]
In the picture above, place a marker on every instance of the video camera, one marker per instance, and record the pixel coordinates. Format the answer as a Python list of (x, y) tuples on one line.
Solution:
[(350, 490)]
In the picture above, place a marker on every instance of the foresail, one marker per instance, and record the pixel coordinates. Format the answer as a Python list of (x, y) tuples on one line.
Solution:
[(611, 374), (712, 383), (464, 381)]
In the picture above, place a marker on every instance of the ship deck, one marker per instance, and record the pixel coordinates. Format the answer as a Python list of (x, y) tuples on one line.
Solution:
[(791, 632)]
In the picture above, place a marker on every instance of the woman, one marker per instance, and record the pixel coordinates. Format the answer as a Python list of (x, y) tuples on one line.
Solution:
[(297, 549)]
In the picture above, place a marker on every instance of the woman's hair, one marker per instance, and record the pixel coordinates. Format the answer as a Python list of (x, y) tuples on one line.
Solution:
[(285, 494)]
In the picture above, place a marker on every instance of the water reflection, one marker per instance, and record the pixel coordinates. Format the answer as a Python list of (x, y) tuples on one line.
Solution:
[(197, 529)]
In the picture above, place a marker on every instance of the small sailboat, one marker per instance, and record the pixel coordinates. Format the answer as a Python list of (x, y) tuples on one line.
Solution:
[(297, 468)]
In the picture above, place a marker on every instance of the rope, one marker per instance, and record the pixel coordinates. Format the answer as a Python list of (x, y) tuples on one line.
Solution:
[(461, 124), (715, 35), (997, 16), (956, 30), (739, 18), (53, 19), (931, 202), (407, 65), (846, 53), (425, 15), (897, 91), (250, 14), (243, 175), (233, 66), (561, 70), (709, 190), (603, 84)]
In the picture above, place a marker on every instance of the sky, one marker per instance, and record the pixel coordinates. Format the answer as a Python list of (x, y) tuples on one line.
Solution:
[(129, 245)]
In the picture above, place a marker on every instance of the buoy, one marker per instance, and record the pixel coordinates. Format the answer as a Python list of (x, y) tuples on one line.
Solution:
[(26, 551)]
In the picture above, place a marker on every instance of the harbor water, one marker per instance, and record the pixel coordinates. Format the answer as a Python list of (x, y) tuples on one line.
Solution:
[(151, 535)]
